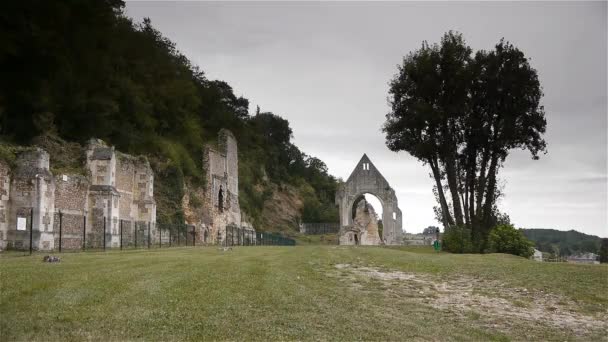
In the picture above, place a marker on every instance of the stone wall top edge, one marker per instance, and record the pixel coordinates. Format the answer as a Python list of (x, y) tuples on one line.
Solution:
[(211, 148)]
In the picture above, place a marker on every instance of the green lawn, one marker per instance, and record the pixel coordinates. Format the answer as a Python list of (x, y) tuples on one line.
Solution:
[(303, 292)]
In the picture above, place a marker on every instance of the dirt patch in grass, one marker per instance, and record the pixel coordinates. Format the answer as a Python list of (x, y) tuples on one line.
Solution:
[(488, 303)]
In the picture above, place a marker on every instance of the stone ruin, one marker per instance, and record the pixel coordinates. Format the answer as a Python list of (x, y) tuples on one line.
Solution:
[(117, 187), (364, 231), (220, 215), (366, 179)]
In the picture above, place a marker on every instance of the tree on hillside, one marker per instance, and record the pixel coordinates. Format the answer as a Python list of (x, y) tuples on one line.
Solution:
[(462, 114)]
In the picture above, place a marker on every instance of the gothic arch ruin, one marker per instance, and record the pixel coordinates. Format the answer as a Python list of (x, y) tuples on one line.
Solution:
[(364, 179)]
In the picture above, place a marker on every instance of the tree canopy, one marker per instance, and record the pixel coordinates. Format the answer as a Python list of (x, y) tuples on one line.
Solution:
[(461, 113)]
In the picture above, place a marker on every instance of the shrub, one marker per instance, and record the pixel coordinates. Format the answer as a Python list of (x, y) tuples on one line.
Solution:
[(506, 239), (457, 240)]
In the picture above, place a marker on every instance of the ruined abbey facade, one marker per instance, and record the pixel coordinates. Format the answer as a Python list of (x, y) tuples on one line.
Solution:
[(88, 211), (357, 224)]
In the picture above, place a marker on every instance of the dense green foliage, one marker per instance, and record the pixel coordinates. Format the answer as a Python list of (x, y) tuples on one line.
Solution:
[(457, 239), (506, 239), (81, 69), (563, 243), (461, 113)]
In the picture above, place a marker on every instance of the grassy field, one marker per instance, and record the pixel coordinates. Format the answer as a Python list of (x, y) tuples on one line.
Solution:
[(304, 293)]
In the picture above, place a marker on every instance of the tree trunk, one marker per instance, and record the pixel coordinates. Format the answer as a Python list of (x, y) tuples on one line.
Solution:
[(447, 218), (481, 186), (490, 197), (450, 169), (471, 188)]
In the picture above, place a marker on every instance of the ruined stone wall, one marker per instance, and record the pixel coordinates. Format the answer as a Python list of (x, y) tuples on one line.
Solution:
[(220, 202), (54, 206), (101, 162), (31, 201), (143, 190), (71, 230), (125, 179), (71, 193), (365, 228), (71, 200), (5, 187), (228, 146)]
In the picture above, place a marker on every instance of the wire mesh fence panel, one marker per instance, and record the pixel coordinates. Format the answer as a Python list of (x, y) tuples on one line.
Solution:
[(320, 228), (73, 231)]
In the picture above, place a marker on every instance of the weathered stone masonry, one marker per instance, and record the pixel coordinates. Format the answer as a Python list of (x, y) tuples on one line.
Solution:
[(220, 209), (118, 187), (366, 178)]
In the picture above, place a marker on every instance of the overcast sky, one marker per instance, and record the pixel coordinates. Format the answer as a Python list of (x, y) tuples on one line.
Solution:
[(326, 66)]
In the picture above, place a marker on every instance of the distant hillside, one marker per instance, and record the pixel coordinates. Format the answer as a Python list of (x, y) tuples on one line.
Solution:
[(564, 243)]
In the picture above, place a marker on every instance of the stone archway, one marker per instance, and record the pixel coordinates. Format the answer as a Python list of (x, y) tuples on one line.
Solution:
[(365, 178)]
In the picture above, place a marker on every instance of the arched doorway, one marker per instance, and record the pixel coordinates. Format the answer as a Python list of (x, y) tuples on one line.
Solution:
[(366, 215), (371, 199)]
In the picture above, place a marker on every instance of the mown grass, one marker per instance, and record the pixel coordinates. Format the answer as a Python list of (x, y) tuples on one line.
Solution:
[(265, 293)]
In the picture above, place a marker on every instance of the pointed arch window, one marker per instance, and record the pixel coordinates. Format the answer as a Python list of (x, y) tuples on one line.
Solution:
[(220, 199)]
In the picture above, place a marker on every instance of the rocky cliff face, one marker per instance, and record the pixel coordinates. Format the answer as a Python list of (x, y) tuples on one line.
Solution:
[(282, 210)]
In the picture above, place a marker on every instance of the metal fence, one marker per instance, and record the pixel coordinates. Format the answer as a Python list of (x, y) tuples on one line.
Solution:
[(319, 228), (236, 236), (176, 235), (72, 232)]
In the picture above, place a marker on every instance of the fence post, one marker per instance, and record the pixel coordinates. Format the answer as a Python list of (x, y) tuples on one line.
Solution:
[(84, 232), (193, 237), (104, 233), (120, 226), (178, 234), (160, 238), (60, 229), (31, 228), (148, 234), (169, 237), (135, 227)]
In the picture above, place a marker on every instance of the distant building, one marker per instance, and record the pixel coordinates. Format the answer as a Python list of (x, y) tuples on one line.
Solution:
[(584, 258), (410, 239), (538, 255)]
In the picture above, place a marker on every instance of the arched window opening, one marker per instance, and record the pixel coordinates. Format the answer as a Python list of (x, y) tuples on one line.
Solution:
[(220, 199)]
